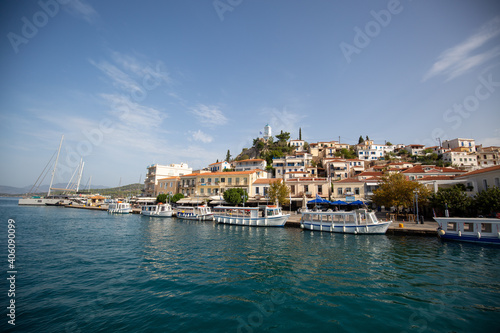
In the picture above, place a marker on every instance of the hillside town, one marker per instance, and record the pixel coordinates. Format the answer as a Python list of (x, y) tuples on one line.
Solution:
[(330, 170)]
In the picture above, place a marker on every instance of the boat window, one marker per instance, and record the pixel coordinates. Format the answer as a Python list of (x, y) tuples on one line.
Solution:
[(452, 226), (486, 227), (468, 227)]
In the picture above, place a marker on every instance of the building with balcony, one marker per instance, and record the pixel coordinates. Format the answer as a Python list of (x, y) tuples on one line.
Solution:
[(297, 163), (170, 185), (461, 159), (208, 184), (340, 168), (250, 164), (415, 149), (157, 171), (219, 166), (488, 156), (372, 152), (468, 145)]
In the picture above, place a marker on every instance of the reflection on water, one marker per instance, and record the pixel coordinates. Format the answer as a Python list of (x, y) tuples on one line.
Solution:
[(86, 270)]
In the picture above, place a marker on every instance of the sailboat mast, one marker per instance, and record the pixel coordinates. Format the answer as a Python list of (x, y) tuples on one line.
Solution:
[(55, 165), (80, 175)]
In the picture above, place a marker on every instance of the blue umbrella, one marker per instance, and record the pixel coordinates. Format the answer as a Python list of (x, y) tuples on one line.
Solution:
[(357, 202), (339, 202)]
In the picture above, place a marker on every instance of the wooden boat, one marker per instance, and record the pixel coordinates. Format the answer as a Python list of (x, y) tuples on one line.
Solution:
[(359, 221), (161, 210), (199, 213), (270, 216), (475, 230)]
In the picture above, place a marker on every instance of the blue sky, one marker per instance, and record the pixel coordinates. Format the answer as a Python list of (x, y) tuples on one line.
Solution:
[(140, 82)]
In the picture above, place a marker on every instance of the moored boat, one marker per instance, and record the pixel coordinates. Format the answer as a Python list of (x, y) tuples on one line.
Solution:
[(161, 210), (359, 221), (270, 216), (463, 229), (199, 213), (119, 207)]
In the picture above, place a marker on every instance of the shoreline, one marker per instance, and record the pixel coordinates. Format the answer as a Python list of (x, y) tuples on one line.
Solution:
[(428, 229)]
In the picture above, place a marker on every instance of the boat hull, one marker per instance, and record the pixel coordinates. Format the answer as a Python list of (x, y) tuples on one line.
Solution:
[(473, 234), (42, 202), (271, 221), (158, 214), (373, 229), (195, 217)]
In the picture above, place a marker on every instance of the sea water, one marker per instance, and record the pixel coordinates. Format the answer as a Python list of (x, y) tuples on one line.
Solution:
[(89, 271)]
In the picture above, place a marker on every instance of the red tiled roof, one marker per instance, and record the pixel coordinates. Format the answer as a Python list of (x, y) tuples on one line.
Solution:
[(266, 180), (348, 180), (475, 172), (420, 169)]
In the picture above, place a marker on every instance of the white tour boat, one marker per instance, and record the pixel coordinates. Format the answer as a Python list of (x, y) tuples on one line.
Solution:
[(119, 207), (271, 216), (162, 210), (199, 213), (475, 230), (359, 221)]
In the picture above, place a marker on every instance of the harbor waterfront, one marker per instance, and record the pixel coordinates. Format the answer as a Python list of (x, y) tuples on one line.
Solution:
[(81, 270)]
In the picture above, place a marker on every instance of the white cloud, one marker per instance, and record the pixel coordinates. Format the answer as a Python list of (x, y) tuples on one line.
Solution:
[(82, 9), (200, 136), (283, 120), (459, 59), (209, 115)]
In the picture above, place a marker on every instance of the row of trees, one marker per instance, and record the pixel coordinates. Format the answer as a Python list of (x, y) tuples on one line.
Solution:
[(396, 191)]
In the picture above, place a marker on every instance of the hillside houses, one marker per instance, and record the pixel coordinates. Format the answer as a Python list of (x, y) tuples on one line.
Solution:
[(319, 168)]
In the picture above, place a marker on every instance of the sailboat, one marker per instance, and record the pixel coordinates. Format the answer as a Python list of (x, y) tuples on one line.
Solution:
[(48, 199)]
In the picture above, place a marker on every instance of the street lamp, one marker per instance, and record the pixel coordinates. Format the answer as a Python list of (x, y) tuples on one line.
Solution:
[(416, 202)]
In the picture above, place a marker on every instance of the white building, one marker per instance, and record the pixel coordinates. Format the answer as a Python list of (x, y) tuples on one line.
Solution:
[(297, 163), (461, 159), (373, 152), (464, 144), (297, 144), (219, 166), (157, 171), (267, 132), (251, 164), (415, 149)]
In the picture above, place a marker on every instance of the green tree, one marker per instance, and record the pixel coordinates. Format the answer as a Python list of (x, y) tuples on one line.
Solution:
[(283, 136), (280, 192), (367, 138), (228, 156), (346, 153), (177, 197), (234, 196), (455, 198), (389, 143), (360, 140), (300, 133), (161, 198), (488, 202), (396, 191)]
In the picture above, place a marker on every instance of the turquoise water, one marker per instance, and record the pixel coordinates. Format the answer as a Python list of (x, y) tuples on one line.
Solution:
[(87, 271)]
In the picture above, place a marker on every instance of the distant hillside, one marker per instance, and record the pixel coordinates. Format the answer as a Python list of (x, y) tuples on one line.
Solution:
[(122, 191)]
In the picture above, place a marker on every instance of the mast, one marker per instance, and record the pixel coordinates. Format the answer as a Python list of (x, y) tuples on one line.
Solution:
[(55, 165), (80, 175)]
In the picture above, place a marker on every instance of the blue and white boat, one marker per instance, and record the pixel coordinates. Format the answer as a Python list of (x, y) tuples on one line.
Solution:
[(198, 213), (119, 207), (474, 230), (359, 221)]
